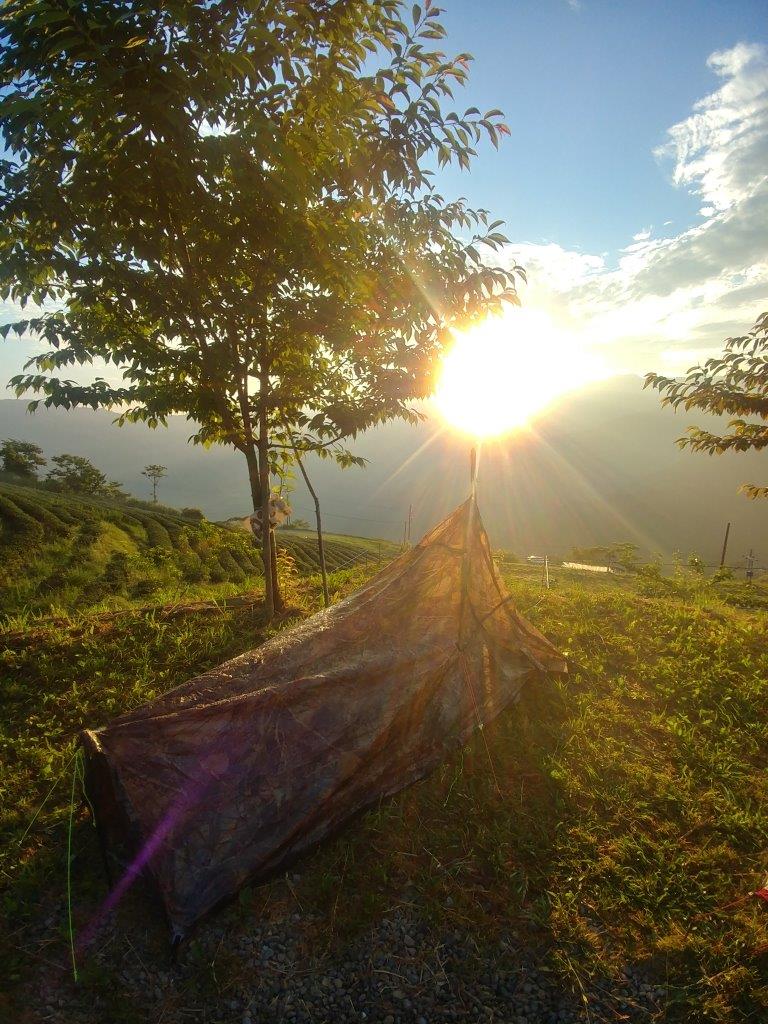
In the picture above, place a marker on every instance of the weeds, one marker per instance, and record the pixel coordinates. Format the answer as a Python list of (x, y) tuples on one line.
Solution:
[(629, 825)]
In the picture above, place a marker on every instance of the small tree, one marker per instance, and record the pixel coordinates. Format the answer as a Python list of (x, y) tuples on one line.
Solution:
[(696, 564), (155, 473), (21, 458), (75, 474), (734, 384)]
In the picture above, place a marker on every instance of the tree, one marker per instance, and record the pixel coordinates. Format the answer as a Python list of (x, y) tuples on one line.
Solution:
[(232, 203), (296, 524), (21, 458), (155, 473), (734, 384), (75, 474)]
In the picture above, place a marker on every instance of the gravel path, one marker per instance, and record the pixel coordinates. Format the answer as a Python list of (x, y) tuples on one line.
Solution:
[(285, 970)]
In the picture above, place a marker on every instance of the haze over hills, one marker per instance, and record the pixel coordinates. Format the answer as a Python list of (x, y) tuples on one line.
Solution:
[(600, 467)]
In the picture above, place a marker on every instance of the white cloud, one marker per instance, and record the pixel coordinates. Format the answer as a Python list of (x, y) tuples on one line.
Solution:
[(721, 150), (672, 300)]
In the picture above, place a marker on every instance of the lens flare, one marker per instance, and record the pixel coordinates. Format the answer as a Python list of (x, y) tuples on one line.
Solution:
[(499, 375)]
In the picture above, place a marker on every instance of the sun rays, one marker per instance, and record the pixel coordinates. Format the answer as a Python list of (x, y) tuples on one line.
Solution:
[(503, 373)]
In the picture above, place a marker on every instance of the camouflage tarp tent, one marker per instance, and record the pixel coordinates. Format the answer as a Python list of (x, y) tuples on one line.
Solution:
[(230, 776)]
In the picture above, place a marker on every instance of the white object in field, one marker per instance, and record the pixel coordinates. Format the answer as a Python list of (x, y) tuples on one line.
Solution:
[(587, 568), (279, 511), (535, 559)]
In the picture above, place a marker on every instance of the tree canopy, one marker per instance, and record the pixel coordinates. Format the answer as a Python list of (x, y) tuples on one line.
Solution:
[(734, 384), (230, 205), (75, 474), (21, 458), (155, 473)]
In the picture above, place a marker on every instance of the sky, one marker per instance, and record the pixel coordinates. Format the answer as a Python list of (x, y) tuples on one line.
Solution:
[(634, 186)]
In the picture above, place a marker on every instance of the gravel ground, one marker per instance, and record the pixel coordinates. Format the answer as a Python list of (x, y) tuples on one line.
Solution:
[(285, 969)]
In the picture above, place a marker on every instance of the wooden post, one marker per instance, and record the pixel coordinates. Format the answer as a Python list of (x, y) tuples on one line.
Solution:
[(725, 545)]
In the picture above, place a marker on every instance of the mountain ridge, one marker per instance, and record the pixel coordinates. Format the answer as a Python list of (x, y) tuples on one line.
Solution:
[(601, 465)]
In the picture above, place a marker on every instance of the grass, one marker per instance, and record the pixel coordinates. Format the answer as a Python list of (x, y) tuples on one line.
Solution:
[(629, 824), (59, 553), (633, 811)]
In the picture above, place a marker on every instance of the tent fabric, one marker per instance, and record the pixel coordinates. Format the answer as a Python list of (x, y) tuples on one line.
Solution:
[(232, 775)]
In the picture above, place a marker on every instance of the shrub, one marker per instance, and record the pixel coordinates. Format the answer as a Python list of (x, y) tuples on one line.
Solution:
[(115, 575), (195, 515)]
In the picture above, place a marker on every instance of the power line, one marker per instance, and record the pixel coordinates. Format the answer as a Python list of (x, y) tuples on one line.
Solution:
[(344, 515)]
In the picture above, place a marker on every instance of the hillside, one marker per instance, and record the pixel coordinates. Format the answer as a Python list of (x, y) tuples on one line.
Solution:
[(600, 467), (589, 857), (69, 552)]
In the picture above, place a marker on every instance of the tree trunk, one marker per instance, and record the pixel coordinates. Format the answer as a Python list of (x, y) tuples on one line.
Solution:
[(272, 599), (277, 596), (253, 476)]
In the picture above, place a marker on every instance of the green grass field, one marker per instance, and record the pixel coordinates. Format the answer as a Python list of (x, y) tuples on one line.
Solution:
[(59, 553), (628, 827)]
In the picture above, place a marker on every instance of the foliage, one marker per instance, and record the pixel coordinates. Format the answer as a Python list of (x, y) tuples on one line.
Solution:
[(75, 474), (21, 458), (66, 551), (233, 204), (627, 829), (155, 473), (696, 563), (195, 515), (734, 384), (296, 524)]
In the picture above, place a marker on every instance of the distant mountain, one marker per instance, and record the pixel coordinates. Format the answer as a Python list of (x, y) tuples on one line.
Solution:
[(600, 467)]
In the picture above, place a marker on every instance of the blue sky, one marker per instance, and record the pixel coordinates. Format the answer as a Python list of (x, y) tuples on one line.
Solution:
[(589, 92), (635, 183)]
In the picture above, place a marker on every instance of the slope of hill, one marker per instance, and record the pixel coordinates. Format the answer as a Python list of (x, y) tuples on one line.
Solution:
[(587, 858), (68, 552), (601, 466)]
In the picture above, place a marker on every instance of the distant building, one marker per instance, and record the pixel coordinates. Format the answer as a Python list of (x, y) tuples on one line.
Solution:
[(536, 559), (583, 567)]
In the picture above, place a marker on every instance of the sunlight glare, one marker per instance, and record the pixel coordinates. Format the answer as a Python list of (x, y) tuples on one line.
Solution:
[(501, 374)]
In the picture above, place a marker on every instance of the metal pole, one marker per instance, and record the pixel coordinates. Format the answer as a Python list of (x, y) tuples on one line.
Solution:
[(725, 545), (750, 565)]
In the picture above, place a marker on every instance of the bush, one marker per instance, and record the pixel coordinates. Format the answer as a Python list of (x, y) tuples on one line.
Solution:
[(115, 575), (195, 515), (157, 535), (144, 588)]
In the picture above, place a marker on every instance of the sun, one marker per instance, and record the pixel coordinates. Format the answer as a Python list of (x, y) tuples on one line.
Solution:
[(499, 375)]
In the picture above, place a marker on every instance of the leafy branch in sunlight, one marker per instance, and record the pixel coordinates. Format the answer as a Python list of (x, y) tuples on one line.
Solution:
[(734, 384)]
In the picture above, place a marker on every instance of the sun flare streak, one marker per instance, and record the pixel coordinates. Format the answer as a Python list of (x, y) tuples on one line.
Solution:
[(503, 373)]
